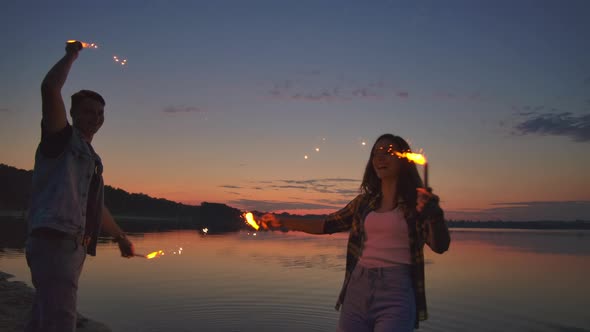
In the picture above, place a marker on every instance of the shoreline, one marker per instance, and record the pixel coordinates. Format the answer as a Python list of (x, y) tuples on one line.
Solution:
[(16, 299)]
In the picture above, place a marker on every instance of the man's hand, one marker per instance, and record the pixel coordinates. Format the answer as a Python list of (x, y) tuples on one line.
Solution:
[(73, 48), (125, 246)]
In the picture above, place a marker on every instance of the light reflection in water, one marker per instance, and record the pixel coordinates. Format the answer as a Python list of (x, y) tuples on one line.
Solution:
[(488, 281)]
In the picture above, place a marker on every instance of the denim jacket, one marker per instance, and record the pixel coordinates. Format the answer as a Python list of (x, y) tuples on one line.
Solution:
[(61, 185)]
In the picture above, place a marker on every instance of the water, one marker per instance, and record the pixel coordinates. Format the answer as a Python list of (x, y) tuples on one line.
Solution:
[(490, 280)]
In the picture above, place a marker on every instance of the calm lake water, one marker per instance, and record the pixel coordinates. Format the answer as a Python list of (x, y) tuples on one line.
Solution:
[(490, 280)]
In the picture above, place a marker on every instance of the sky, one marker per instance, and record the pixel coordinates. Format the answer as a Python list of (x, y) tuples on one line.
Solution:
[(221, 101)]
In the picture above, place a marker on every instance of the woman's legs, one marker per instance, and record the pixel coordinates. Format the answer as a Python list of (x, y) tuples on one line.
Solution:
[(378, 300)]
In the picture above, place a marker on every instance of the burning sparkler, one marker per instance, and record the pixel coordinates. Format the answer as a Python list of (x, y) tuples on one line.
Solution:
[(84, 44), (116, 58), (416, 158), (250, 220), (151, 255)]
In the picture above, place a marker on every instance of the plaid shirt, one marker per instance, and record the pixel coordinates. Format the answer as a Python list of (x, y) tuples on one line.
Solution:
[(428, 227)]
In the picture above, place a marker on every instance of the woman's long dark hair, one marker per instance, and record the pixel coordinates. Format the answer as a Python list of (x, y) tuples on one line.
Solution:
[(408, 179)]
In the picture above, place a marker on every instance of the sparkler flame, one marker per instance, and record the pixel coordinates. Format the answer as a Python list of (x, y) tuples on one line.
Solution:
[(250, 220), (154, 254), (417, 158), (84, 44)]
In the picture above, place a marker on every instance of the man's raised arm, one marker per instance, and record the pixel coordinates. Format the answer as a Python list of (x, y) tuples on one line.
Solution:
[(54, 110)]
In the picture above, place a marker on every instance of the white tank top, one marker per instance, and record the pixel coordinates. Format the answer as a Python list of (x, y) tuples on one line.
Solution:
[(387, 242)]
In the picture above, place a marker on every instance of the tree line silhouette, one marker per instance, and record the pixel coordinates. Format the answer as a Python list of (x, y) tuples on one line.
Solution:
[(138, 212)]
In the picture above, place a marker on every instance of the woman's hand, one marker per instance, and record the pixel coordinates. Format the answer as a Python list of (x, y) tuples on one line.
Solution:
[(270, 221), (425, 197)]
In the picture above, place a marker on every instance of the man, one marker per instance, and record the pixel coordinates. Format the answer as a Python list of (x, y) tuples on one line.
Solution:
[(67, 208)]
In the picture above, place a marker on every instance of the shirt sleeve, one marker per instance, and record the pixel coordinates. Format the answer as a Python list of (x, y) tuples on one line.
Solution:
[(52, 145), (435, 230), (341, 220)]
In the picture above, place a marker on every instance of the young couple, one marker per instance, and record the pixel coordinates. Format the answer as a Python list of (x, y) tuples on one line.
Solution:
[(389, 222)]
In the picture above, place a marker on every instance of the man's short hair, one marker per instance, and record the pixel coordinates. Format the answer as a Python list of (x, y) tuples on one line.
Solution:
[(79, 96)]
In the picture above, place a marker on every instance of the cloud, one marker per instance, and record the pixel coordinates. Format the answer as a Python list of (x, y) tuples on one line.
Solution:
[(527, 211), (403, 94), (344, 189), (182, 109), (576, 127), (229, 186), (4, 110), (341, 186), (264, 205), (308, 90)]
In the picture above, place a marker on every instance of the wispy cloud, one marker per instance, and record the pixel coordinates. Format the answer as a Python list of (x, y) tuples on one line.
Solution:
[(274, 205), (527, 211), (341, 186), (576, 127), (229, 186), (308, 90), (182, 109), (4, 110)]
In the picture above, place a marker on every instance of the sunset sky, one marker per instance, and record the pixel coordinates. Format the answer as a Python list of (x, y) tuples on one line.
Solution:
[(220, 101)]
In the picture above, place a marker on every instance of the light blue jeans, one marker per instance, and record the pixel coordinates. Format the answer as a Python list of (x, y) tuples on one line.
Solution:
[(379, 300), (55, 266)]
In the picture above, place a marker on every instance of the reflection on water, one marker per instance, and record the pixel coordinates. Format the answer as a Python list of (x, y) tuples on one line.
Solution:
[(488, 281), (572, 242)]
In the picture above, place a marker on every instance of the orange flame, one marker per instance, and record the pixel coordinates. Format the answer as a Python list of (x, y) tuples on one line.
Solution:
[(154, 254), (417, 158), (250, 220), (84, 44)]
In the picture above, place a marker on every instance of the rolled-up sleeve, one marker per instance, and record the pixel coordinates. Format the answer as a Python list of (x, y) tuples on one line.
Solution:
[(436, 232)]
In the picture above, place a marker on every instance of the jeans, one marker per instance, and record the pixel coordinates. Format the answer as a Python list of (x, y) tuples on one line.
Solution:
[(55, 264), (379, 300)]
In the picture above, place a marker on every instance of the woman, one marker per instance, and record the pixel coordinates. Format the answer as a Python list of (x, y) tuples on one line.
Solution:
[(389, 223)]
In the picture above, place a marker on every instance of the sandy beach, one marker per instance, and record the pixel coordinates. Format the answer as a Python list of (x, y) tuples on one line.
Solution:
[(15, 304)]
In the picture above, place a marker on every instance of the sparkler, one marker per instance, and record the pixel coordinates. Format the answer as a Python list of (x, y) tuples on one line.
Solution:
[(84, 44), (116, 58), (151, 255), (250, 220), (416, 158)]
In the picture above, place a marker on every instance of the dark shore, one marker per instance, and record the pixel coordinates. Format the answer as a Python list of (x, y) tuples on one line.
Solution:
[(15, 305)]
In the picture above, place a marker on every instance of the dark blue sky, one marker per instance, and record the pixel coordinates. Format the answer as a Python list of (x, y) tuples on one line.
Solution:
[(221, 100)]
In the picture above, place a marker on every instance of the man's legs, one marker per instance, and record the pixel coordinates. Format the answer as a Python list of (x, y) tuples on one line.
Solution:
[(55, 266)]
